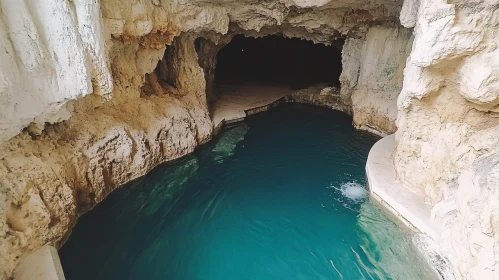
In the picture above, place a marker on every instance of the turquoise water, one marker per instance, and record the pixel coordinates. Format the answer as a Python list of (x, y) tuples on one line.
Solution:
[(278, 197)]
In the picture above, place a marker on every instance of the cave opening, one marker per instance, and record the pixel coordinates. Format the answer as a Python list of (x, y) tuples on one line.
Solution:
[(276, 60), (250, 73)]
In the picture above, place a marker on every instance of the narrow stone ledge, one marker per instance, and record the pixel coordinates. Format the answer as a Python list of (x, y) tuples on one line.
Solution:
[(399, 200), (236, 99), (239, 101), (41, 264), (406, 206)]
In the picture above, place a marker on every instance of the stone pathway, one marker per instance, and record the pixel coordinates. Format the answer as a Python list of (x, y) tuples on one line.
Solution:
[(236, 98)]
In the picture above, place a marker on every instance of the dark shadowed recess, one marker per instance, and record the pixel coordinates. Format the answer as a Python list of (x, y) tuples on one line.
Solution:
[(278, 60)]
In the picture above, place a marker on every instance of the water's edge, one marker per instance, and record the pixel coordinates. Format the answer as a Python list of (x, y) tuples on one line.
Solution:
[(405, 208)]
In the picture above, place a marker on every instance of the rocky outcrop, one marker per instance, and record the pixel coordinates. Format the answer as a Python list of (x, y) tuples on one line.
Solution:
[(446, 143), (48, 180)]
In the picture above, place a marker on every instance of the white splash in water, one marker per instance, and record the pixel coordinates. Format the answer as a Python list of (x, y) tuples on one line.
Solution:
[(352, 190)]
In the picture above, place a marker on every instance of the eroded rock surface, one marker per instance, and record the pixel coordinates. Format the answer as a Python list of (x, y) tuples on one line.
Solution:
[(48, 180), (373, 74), (447, 134)]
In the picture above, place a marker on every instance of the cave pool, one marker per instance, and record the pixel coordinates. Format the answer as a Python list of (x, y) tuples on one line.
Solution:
[(280, 196)]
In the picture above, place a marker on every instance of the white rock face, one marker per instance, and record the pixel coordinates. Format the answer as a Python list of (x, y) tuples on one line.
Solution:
[(447, 134), (351, 62), (372, 76), (51, 57)]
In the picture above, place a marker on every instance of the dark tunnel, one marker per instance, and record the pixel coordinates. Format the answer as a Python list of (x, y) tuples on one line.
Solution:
[(279, 61)]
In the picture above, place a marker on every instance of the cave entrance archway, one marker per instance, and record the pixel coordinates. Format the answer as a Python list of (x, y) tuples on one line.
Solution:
[(252, 72), (276, 60)]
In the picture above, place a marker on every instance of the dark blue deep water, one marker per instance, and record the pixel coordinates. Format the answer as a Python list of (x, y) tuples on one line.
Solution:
[(279, 197)]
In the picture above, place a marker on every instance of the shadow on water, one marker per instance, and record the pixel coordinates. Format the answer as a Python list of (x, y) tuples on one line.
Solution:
[(280, 196)]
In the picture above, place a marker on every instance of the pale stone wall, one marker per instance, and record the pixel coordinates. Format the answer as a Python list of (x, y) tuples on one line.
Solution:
[(351, 62), (372, 76), (447, 148), (47, 181), (39, 77)]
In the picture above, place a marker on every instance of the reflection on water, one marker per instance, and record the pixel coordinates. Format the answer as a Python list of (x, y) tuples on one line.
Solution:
[(375, 231), (280, 197), (226, 143)]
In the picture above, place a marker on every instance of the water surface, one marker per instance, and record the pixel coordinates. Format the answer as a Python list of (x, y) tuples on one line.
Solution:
[(279, 197)]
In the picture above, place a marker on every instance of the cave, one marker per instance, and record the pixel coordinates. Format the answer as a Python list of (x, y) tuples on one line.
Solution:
[(234, 139), (251, 72), (276, 60)]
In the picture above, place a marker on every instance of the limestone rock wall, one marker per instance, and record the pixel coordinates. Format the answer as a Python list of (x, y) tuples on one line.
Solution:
[(39, 77), (48, 180), (373, 74), (208, 50), (447, 140)]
